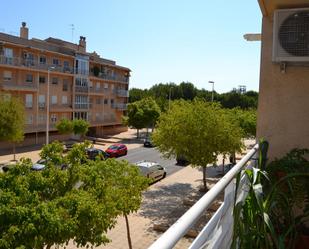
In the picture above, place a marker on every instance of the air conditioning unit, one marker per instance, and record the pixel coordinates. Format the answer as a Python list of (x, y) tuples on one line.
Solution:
[(291, 35)]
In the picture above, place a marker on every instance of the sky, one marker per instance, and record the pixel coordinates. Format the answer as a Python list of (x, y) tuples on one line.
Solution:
[(161, 41)]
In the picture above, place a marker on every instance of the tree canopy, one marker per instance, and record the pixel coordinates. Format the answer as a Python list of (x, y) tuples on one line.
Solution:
[(12, 119), (197, 130), (39, 209)]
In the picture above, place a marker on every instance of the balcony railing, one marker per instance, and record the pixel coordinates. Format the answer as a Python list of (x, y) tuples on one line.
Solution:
[(60, 106), (120, 106), (19, 87), (121, 92), (118, 78), (32, 63), (81, 106), (81, 89), (96, 90), (39, 127), (219, 230)]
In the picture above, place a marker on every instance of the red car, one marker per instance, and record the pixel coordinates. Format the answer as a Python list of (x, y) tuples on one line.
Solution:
[(116, 150)]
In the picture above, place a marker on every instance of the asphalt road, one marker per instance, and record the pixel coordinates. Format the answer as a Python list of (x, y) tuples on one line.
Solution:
[(151, 154)]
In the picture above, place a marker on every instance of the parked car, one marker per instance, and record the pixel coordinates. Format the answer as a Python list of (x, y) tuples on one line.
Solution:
[(41, 164), (94, 153), (181, 160), (69, 144), (116, 150), (148, 142), (151, 170), (6, 166)]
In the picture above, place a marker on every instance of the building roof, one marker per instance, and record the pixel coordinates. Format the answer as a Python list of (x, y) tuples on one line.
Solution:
[(268, 6), (57, 46)]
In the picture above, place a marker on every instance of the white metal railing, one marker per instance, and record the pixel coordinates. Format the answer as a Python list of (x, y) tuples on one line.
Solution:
[(184, 223)]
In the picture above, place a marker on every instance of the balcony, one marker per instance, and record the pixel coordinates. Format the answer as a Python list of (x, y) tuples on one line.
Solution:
[(28, 87), (32, 63), (218, 231), (61, 108), (81, 89), (104, 121), (81, 106), (120, 106), (98, 91), (38, 128), (118, 78), (121, 93)]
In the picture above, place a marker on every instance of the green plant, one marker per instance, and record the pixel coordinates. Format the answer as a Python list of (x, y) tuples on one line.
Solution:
[(267, 217), (64, 126)]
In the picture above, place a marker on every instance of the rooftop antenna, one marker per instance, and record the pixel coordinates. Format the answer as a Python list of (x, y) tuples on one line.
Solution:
[(72, 28)]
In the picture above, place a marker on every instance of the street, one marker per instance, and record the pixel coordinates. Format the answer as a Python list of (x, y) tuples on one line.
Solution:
[(151, 154)]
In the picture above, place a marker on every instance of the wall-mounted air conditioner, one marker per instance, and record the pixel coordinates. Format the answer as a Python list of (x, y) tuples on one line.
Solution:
[(291, 35)]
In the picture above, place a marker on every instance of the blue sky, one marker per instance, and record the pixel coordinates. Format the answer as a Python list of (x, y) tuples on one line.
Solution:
[(160, 41)]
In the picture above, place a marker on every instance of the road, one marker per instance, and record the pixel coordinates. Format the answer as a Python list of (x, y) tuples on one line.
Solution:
[(151, 154)]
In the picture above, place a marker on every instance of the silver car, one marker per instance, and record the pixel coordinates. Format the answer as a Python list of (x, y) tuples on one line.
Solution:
[(152, 170)]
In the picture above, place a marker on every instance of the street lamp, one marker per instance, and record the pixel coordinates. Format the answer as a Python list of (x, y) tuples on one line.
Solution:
[(47, 105), (212, 94)]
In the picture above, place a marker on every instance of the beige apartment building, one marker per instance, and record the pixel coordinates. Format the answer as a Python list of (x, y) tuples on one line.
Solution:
[(81, 84)]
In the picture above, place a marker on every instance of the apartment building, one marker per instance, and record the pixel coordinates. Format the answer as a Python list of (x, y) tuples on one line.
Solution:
[(79, 84)]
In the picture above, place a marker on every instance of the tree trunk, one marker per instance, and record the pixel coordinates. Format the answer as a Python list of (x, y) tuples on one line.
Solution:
[(223, 162), (204, 178), (137, 133), (14, 151), (48, 246), (128, 232)]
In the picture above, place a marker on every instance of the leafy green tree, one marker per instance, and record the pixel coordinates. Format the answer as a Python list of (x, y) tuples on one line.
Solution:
[(143, 114), (247, 121), (39, 209), (197, 130), (80, 126), (12, 120), (65, 126)]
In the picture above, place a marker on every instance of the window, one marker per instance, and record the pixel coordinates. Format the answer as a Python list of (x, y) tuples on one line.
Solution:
[(90, 84), (41, 101), (54, 100), (112, 101), (7, 75), (105, 85), (98, 101), (64, 100), (55, 62), (42, 60), (29, 119), (29, 78), (98, 85), (29, 101), (53, 118), (113, 87), (41, 79), (8, 55), (66, 65), (65, 85), (41, 118), (105, 101), (55, 80)]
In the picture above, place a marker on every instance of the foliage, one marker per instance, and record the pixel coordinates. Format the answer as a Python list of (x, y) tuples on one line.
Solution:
[(267, 217), (50, 207), (186, 90), (197, 130), (143, 113), (12, 119), (64, 126), (53, 152), (246, 119), (96, 70), (80, 126)]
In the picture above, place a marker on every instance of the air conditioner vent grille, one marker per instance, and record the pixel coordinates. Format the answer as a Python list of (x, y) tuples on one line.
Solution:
[(294, 34)]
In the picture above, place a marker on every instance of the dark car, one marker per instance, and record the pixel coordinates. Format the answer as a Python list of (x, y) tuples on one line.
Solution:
[(181, 160), (148, 142), (116, 150), (7, 166), (94, 153)]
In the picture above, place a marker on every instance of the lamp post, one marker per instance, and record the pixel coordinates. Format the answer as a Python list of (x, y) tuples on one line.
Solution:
[(212, 94), (47, 105)]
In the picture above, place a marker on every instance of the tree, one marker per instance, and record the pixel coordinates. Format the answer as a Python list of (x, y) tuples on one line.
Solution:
[(246, 120), (39, 209), (142, 114), (80, 126), (197, 130), (12, 120), (65, 126)]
